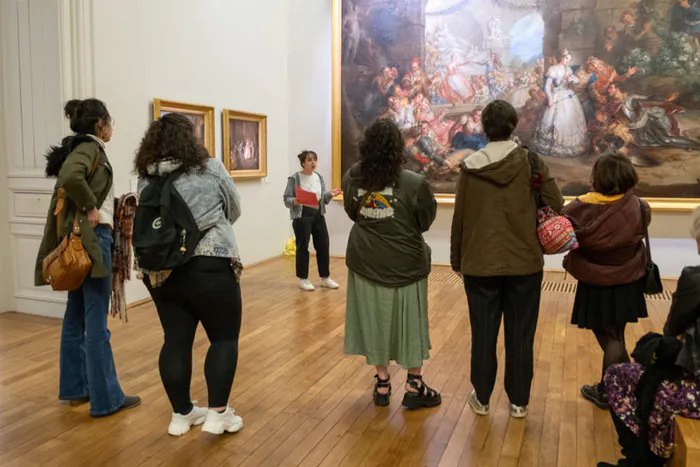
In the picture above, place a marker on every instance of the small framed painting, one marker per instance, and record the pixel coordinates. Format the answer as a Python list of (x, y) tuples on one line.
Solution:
[(201, 116), (245, 144)]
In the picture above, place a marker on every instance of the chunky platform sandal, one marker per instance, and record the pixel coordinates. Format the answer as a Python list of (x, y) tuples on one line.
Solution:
[(424, 397), (382, 400)]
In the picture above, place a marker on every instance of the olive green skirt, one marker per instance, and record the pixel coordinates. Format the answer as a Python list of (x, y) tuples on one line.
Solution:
[(387, 323)]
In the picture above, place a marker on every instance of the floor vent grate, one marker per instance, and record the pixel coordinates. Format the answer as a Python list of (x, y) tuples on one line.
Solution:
[(567, 287)]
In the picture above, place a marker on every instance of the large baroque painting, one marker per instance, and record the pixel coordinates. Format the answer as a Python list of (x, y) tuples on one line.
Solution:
[(586, 76)]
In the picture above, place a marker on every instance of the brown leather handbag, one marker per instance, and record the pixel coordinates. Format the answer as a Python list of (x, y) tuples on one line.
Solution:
[(66, 267)]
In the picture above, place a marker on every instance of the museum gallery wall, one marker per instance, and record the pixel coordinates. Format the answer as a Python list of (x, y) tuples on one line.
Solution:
[(585, 76)]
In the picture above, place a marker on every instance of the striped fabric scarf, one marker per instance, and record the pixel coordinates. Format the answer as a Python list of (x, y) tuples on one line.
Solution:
[(124, 213)]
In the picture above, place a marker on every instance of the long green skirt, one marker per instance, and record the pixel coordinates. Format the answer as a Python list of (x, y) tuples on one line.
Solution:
[(385, 323)]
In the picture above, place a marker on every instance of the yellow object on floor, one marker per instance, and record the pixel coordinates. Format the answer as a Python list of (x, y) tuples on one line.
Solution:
[(291, 248)]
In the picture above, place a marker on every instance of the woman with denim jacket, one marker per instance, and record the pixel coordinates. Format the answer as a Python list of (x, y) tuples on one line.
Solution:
[(205, 289), (310, 221)]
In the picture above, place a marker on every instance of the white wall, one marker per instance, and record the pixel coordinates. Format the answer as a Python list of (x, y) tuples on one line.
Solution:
[(5, 258), (30, 114), (310, 125), (226, 54)]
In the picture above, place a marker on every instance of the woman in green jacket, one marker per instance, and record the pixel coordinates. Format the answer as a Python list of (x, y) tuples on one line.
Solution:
[(386, 317), (87, 366)]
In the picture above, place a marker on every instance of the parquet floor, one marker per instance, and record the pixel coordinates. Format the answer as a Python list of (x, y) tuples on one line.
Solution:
[(303, 402)]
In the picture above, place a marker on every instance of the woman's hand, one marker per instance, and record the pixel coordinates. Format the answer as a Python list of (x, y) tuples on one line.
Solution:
[(94, 217), (336, 191)]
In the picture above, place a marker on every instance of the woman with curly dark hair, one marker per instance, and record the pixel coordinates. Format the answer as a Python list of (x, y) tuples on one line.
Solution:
[(206, 287), (388, 264)]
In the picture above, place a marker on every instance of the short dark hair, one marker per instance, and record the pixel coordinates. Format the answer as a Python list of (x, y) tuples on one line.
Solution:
[(85, 114), (499, 120), (613, 174), (304, 154)]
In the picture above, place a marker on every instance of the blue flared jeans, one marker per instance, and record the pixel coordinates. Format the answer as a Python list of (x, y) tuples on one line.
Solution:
[(87, 362)]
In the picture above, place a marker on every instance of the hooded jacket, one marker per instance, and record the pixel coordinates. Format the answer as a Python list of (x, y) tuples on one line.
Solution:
[(386, 244), (494, 227), (70, 163), (610, 235)]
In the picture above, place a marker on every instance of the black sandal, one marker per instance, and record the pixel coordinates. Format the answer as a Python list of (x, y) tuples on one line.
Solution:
[(423, 397), (382, 400)]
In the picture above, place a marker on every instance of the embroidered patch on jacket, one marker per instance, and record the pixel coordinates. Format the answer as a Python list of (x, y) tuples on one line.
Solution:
[(378, 205)]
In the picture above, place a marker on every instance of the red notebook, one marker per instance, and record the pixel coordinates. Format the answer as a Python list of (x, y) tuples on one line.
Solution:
[(306, 198)]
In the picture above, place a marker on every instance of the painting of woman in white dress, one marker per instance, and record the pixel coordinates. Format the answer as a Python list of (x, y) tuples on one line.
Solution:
[(562, 130), (245, 144)]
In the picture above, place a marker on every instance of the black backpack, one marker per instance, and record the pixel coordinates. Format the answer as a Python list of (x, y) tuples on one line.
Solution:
[(165, 231)]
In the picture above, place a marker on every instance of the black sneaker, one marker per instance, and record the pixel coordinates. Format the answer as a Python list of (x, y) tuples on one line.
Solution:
[(129, 403), (593, 394)]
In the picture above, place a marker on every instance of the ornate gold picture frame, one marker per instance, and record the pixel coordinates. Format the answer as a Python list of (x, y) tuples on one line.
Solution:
[(404, 38), (201, 116), (245, 144)]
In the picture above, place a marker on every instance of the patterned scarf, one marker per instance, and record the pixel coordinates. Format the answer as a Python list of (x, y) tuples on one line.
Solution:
[(124, 212)]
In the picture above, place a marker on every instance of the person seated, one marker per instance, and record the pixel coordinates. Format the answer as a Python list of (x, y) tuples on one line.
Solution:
[(645, 397), (472, 134)]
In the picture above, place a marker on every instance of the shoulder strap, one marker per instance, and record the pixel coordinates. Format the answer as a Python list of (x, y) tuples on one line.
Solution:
[(535, 177), (95, 163), (61, 198), (646, 230)]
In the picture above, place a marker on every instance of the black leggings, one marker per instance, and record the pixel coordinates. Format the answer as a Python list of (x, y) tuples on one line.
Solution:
[(205, 289), (612, 341)]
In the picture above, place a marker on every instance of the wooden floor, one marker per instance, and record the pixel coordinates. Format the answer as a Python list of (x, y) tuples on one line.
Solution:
[(302, 401)]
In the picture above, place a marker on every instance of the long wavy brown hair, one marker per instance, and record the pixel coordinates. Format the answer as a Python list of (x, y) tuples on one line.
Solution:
[(381, 155), (170, 138)]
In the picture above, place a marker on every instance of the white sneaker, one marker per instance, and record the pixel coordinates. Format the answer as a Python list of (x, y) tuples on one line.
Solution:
[(304, 284), (329, 283), (517, 411), (181, 424), (476, 406), (217, 423)]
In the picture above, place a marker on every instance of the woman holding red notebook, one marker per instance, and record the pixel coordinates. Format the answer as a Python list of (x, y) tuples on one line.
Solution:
[(306, 197)]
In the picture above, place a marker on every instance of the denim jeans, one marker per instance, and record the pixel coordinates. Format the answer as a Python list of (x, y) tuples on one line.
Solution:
[(87, 363)]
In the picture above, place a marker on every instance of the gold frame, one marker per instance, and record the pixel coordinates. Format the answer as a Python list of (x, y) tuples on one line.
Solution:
[(261, 120), (658, 204), (160, 105)]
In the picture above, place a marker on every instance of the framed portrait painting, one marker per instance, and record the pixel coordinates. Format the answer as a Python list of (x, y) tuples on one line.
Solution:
[(201, 116), (585, 78), (245, 144)]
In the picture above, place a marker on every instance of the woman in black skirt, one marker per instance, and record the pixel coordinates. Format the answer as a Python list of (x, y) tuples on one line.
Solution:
[(610, 263)]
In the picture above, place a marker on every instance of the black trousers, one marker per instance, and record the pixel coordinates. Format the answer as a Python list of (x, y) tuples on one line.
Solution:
[(517, 299), (635, 451), (312, 224), (204, 290)]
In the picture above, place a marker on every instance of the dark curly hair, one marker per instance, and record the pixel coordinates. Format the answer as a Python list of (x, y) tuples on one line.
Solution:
[(170, 138), (381, 155)]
